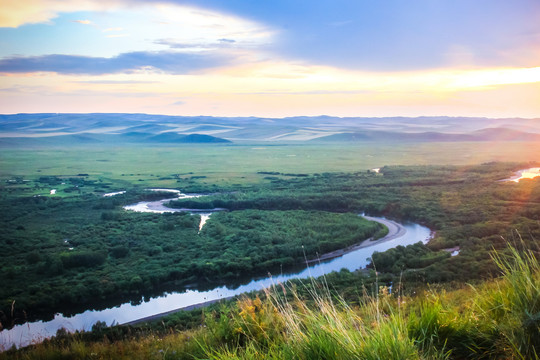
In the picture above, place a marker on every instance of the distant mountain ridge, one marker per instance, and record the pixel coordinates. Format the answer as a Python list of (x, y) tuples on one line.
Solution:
[(191, 138), (149, 129), (492, 134)]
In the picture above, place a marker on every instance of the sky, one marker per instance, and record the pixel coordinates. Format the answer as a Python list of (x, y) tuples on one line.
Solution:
[(272, 58)]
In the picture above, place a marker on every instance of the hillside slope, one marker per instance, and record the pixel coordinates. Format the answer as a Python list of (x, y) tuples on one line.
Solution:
[(496, 319)]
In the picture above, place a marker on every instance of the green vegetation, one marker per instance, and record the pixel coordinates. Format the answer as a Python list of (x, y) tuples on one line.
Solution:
[(163, 166), (68, 253), (75, 249), (467, 206), (410, 257), (71, 251), (495, 320), (256, 242)]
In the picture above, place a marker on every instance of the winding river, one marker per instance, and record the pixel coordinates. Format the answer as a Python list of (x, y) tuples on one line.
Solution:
[(160, 208), (352, 258)]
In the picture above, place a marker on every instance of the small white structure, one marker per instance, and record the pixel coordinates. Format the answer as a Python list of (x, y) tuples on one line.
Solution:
[(53, 191)]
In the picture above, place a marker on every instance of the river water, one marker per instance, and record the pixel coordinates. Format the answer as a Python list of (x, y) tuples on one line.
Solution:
[(34, 332), (530, 173), (160, 208)]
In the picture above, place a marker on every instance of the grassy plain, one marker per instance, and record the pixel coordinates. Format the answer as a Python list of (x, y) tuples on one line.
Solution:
[(224, 165)]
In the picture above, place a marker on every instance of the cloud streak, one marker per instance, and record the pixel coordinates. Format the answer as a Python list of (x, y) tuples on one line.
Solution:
[(168, 62), (209, 45), (16, 12), (84, 22), (116, 82)]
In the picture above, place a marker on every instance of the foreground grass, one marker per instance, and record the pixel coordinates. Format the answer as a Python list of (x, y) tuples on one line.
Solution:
[(497, 320)]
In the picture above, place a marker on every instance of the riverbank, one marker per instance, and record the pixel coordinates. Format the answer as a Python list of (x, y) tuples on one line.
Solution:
[(185, 308), (33, 332), (395, 230)]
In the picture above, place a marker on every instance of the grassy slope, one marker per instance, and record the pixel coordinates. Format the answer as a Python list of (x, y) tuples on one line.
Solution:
[(497, 319)]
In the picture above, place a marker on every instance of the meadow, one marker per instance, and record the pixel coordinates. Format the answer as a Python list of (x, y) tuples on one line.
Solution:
[(239, 163)]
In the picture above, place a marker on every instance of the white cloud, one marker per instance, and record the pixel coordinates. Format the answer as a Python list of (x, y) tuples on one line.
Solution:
[(202, 28), (183, 22), (16, 12), (84, 22), (184, 28)]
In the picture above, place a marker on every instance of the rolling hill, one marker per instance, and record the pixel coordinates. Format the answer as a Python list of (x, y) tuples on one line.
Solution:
[(117, 129)]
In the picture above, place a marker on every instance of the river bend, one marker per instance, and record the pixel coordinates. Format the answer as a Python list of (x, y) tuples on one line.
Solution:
[(352, 258)]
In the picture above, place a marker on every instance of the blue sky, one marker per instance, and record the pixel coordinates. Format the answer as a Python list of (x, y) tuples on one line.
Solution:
[(241, 57), (395, 35)]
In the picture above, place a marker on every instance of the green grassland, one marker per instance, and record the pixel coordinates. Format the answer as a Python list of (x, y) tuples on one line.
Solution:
[(239, 163)]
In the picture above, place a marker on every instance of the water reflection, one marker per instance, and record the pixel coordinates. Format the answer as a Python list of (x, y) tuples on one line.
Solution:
[(25, 334), (525, 174)]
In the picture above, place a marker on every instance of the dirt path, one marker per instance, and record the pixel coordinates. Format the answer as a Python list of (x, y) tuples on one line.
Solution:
[(395, 230)]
